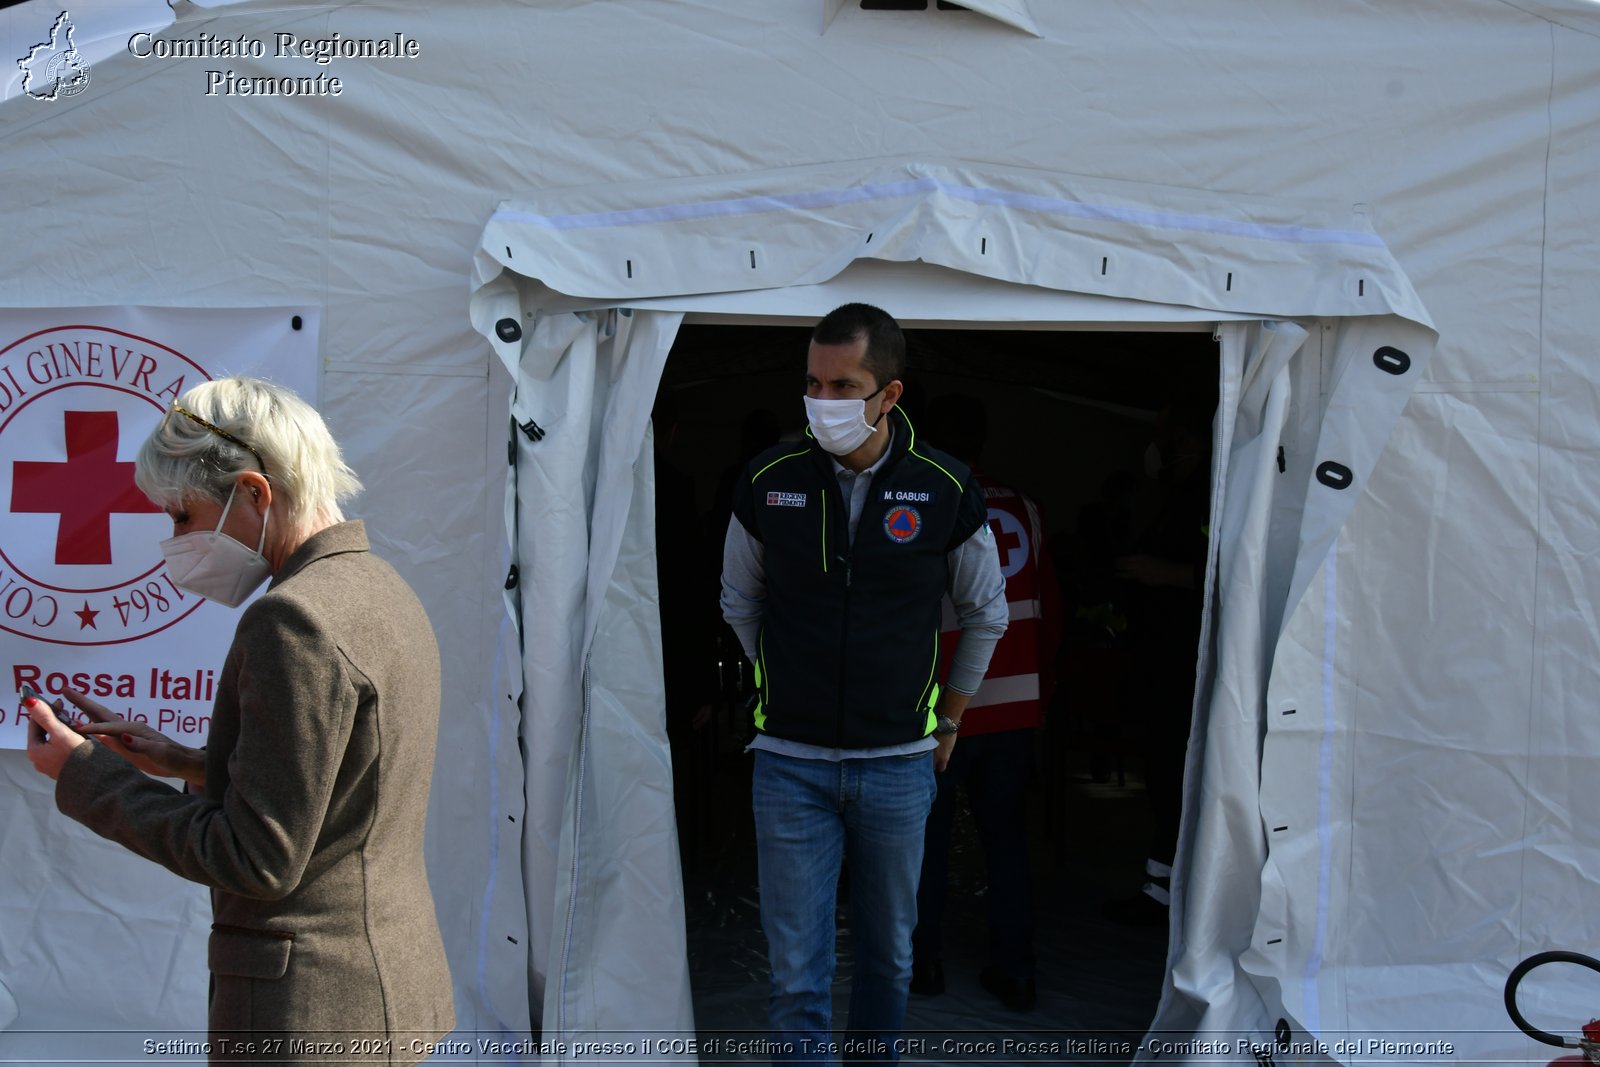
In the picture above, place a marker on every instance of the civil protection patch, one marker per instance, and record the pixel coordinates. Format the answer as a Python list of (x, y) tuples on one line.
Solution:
[(786, 500), (902, 524)]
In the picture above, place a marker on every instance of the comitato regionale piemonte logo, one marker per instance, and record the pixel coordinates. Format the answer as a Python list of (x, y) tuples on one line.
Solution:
[(55, 68), (80, 557)]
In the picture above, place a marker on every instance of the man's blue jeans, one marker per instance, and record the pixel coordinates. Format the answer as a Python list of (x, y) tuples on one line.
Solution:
[(809, 815)]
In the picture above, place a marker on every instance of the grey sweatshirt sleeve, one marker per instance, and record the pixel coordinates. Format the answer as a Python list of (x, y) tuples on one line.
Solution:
[(978, 592), (744, 585)]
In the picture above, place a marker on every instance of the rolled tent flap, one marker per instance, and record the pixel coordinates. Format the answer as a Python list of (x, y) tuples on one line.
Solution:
[(802, 225), (1328, 391)]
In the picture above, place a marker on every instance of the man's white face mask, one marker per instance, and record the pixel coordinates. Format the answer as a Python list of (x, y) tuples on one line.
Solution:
[(841, 426), (211, 564)]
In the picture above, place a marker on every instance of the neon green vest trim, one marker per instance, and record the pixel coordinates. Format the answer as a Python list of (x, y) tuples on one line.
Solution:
[(933, 691), (761, 718)]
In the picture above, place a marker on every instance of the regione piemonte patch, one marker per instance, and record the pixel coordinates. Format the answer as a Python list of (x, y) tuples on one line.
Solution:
[(786, 500)]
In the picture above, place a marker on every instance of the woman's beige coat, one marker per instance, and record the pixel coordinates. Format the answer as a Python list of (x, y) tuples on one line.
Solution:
[(324, 942)]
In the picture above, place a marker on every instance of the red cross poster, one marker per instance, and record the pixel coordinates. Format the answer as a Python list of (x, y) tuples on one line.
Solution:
[(85, 599)]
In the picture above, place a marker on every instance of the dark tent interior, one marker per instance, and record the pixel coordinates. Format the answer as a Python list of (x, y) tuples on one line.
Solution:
[(1071, 415)]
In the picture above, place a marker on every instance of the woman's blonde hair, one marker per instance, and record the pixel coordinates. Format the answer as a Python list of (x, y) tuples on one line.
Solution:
[(221, 429)]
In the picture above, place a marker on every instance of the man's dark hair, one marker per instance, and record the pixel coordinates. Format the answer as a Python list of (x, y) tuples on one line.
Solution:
[(886, 345)]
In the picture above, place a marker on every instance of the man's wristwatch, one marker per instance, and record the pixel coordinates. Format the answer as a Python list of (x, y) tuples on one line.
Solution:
[(946, 726)]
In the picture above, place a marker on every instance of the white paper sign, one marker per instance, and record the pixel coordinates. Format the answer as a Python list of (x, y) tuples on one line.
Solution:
[(85, 599)]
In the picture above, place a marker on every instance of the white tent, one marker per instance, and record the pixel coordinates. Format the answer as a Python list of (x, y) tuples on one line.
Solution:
[(1388, 212)]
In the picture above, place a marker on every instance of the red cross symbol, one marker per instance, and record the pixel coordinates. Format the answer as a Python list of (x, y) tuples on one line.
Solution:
[(85, 491), (1010, 541), (1004, 540)]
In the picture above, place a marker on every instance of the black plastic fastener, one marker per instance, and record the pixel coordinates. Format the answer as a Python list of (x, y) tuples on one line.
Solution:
[(1335, 475), (1392, 360)]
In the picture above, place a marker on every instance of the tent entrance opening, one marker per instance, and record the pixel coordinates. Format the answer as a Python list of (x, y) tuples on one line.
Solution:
[(1106, 432)]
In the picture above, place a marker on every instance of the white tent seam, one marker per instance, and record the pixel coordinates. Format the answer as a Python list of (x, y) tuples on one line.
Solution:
[(1535, 682), (1527, 9)]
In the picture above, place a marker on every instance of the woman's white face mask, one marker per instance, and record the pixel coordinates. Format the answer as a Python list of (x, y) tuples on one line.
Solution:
[(841, 426), (211, 564)]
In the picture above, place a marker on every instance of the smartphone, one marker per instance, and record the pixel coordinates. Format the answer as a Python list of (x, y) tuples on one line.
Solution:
[(59, 707)]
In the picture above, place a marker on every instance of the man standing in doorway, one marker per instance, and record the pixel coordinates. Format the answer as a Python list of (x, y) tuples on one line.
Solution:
[(840, 550)]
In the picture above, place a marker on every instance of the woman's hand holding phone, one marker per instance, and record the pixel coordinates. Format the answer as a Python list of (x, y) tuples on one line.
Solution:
[(140, 744), (51, 737)]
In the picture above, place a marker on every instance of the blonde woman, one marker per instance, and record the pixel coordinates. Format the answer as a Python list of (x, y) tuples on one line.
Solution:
[(304, 813)]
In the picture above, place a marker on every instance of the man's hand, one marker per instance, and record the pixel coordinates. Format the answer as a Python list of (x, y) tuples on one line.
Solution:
[(50, 741), (141, 745), (952, 705)]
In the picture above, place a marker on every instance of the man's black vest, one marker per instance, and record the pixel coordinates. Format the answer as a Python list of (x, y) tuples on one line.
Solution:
[(849, 644)]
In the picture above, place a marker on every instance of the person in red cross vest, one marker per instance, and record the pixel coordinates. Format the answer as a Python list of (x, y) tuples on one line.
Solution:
[(995, 756)]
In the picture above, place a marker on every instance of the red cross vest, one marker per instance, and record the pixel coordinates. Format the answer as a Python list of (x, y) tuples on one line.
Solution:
[(1021, 672)]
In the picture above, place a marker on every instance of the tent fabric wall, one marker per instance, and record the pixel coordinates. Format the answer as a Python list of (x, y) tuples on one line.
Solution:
[(1564, 640), (164, 200), (1460, 130)]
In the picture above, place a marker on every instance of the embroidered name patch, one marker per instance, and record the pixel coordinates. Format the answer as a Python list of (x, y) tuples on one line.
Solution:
[(902, 524), (786, 500)]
